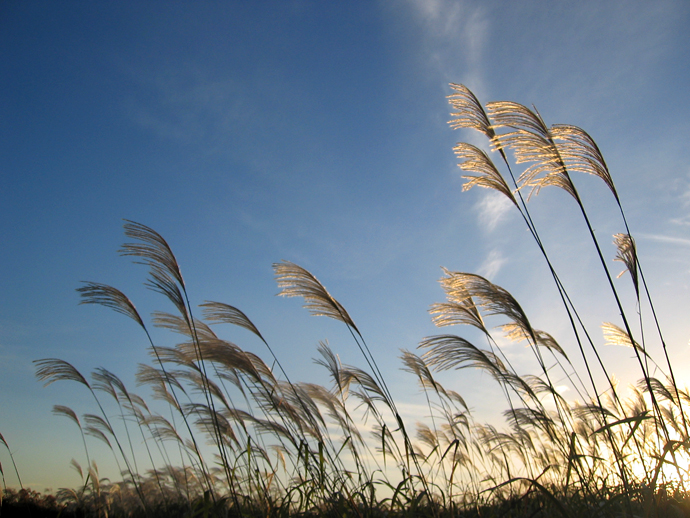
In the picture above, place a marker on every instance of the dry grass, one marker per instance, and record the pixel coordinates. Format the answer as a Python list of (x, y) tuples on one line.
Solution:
[(283, 448)]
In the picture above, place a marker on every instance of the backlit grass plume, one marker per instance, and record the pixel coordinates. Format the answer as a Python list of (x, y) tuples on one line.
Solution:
[(225, 432)]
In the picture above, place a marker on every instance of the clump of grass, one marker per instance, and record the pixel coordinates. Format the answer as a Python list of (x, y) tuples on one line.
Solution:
[(281, 447)]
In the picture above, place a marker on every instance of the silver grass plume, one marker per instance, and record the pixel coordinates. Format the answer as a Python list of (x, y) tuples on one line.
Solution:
[(415, 365), (176, 356), (231, 357), (486, 175), (460, 308), (335, 408), (544, 339), (488, 296), (456, 313), (272, 427), (112, 380), (469, 112), (153, 250), (109, 383), (201, 383), (332, 363), (159, 381), (175, 323), (659, 388), (98, 422), (53, 369), (509, 114), (539, 386), (219, 312), (531, 129), (531, 141), (67, 412), (295, 281), (529, 417), (311, 418), (104, 295), (627, 254), (162, 429), (427, 436), (103, 382), (614, 335), (77, 468), (208, 419), (365, 380), (517, 333), (98, 434), (580, 153), (137, 404), (453, 352), (593, 412)]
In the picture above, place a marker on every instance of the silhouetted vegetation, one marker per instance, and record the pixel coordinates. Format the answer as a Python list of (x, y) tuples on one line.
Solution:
[(282, 447)]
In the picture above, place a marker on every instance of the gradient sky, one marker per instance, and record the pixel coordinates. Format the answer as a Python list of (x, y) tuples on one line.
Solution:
[(316, 132)]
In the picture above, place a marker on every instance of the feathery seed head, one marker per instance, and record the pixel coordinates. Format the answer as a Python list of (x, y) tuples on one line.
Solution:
[(627, 254), (295, 281), (54, 369), (96, 293), (468, 111), (486, 174)]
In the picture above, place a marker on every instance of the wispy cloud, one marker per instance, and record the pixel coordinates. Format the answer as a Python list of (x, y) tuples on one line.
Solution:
[(492, 208), (685, 220), (443, 15), (686, 195), (492, 264), (412, 412), (188, 106), (683, 185), (455, 34), (665, 239)]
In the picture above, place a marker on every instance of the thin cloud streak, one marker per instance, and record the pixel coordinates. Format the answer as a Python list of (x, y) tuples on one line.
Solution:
[(191, 108), (665, 239)]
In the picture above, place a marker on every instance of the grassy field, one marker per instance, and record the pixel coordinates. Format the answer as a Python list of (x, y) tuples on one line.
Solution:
[(287, 448)]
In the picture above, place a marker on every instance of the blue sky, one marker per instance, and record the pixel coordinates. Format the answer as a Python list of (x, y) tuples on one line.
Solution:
[(251, 132)]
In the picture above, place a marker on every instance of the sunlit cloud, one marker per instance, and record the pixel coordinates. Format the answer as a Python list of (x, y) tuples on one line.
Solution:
[(492, 264), (492, 209), (562, 389)]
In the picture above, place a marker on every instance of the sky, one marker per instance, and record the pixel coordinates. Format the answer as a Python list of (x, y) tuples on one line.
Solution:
[(247, 133)]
